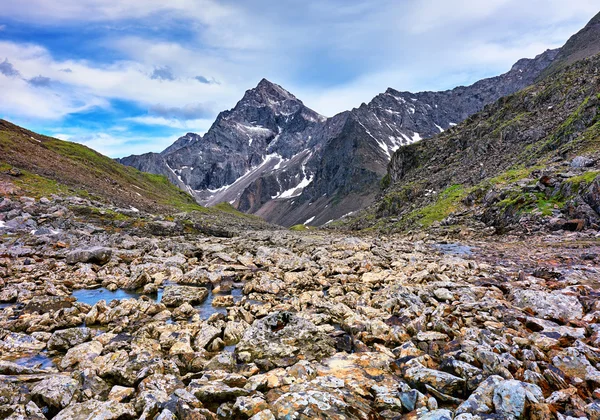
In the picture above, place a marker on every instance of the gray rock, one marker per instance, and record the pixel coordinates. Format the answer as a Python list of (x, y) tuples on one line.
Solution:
[(581, 162), (66, 339), (443, 382), (282, 338), (56, 392), (437, 415), (82, 355), (95, 410), (481, 400), (95, 255), (510, 397), (549, 305)]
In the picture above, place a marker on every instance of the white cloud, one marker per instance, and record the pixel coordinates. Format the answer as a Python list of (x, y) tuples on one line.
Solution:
[(116, 144), (198, 126), (333, 54), (44, 11)]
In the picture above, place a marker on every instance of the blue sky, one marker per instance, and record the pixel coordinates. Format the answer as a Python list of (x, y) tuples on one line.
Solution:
[(131, 76)]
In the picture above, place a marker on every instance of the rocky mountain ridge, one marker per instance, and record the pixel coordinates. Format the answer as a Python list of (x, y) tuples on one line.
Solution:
[(537, 161), (274, 157)]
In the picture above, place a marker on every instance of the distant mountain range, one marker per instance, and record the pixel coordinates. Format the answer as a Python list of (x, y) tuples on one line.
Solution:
[(274, 157)]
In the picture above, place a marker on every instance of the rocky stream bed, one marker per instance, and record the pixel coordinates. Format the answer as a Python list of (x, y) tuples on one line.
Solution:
[(100, 321)]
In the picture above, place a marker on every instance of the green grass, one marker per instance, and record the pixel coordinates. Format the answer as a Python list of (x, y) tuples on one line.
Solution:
[(299, 228), (447, 203), (225, 207), (583, 180), (512, 175), (34, 185), (156, 187)]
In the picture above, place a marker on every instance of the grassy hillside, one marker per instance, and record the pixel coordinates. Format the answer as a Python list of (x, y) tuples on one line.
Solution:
[(51, 166), (509, 164)]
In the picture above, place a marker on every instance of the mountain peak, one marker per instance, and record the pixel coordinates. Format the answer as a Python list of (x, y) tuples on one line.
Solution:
[(269, 92)]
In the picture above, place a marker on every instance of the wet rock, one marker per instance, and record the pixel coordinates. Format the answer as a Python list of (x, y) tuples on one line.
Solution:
[(282, 338), (178, 295), (63, 340)]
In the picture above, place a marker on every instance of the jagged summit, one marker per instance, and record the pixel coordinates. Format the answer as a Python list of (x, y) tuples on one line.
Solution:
[(268, 93)]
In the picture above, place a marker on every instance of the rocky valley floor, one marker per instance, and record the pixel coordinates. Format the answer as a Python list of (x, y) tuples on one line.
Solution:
[(125, 315)]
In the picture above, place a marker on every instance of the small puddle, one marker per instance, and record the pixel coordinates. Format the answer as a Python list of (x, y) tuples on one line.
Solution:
[(93, 296), (454, 249), (206, 309), (31, 360)]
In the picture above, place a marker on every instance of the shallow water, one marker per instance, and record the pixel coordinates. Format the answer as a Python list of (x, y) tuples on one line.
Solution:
[(93, 296), (33, 360), (206, 309), (454, 249)]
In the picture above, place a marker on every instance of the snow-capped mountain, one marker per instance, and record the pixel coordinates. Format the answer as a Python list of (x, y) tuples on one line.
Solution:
[(273, 156)]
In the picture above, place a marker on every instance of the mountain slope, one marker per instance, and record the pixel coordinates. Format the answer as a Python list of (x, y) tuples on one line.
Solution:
[(57, 165), (583, 44), (529, 159)]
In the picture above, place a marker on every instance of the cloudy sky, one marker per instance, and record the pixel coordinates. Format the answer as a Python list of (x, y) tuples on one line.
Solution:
[(130, 76)]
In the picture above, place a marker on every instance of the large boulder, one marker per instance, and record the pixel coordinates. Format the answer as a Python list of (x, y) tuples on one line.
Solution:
[(282, 338), (549, 305), (66, 339), (95, 255), (178, 295), (510, 397)]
